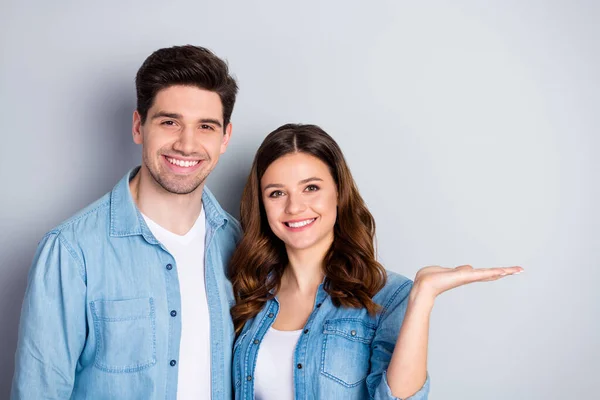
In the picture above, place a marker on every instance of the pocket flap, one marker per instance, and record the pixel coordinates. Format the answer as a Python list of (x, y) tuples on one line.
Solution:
[(350, 328), (123, 310)]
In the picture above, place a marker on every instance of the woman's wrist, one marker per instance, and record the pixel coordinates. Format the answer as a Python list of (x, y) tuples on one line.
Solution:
[(421, 297)]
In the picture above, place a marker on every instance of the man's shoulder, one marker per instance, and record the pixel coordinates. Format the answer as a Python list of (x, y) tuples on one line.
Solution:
[(233, 226), (92, 218), (213, 209)]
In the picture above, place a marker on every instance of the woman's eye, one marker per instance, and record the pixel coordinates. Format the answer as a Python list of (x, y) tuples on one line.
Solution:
[(276, 193), (312, 188)]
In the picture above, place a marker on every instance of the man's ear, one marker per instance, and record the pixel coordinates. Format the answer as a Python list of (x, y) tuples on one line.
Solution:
[(226, 137), (136, 128)]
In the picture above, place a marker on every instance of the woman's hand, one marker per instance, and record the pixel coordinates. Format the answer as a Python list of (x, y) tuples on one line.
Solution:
[(407, 371), (435, 280)]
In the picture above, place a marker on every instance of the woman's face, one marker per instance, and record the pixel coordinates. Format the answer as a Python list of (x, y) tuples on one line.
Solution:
[(300, 199)]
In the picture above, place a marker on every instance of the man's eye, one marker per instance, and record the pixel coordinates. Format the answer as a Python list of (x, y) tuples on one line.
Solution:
[(276, 193), (209, 127), (168, 123), (312, 188)]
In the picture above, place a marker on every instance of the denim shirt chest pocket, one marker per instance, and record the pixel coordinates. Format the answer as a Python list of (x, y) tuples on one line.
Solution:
[(347, 350), (125, 333)]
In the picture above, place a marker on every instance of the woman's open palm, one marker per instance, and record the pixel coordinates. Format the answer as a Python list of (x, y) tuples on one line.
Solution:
[(439, 279)]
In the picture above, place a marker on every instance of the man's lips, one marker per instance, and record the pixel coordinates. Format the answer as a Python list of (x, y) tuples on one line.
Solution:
[(182, 166), (184, 163)]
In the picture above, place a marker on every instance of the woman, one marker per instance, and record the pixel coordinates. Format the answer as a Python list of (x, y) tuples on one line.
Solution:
[(317, 317)]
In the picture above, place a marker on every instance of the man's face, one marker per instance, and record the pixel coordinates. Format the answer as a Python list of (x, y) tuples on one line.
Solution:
[(182, 137)]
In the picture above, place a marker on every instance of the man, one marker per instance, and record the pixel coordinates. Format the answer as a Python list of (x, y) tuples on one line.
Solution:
[(129, 299)]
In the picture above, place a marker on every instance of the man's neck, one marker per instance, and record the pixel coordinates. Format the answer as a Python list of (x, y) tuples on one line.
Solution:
[(176, 213)]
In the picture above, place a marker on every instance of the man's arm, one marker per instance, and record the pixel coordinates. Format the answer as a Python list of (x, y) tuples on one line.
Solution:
[(52, 331)]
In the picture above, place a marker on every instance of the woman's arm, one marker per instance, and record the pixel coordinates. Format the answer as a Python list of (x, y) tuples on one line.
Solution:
[(407, 371)]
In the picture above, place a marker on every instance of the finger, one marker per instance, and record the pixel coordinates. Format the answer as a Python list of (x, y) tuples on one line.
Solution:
[(490, 274), (493, 278), (513, 270), (503, 275), (463, 268), (481, 274)]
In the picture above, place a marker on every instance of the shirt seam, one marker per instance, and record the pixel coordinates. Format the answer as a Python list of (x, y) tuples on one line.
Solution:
[(73, 220), (73, 254), (391, 300)]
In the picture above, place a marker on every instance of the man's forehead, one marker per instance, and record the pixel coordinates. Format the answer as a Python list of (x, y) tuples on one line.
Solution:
[(189, 102)]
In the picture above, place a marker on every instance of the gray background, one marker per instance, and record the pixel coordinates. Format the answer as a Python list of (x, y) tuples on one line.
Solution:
[(471, 128)]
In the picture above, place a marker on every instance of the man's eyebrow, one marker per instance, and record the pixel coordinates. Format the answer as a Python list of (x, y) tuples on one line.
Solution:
[(211, 121), (164, 114), (303, 181)]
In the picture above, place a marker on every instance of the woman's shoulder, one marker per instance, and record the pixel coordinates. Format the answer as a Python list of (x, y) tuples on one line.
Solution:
[(396, 288), (395, 279)]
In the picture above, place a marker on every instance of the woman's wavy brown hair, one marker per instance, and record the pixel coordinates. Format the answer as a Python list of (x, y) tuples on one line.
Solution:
[(352, 275)]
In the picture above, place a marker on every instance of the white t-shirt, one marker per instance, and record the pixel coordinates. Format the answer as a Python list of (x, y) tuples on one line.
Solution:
[(274, 374), (194, 351)]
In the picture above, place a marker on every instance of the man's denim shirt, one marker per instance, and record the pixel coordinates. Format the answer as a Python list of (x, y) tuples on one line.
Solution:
[(342, 353), (96, 321)]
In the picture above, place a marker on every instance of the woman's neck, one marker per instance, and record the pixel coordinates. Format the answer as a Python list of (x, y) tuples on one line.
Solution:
[(304, 272)]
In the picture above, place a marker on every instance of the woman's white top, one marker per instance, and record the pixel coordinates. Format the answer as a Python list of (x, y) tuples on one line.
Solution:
[(274, 373)]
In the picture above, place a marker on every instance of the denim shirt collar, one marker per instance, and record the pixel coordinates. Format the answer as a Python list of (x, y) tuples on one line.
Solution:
[(126, 219), (319, 297)]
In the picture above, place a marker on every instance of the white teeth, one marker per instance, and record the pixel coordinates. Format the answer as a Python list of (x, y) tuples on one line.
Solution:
[(300, 224), (181, 163)]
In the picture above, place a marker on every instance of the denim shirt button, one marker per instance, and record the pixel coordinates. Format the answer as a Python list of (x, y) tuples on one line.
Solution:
[(169, 267), (319, 305), (173, 362), (249, 378), (353, 333), (299, 366), (271, 315), (305, 331), (256, 341), (173, 313)]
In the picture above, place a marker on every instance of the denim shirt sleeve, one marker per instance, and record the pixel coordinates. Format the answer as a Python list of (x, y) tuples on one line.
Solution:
[(383, 345), (52, 331), (383, 391)]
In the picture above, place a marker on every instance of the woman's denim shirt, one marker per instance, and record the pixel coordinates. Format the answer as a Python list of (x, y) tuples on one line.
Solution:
[(343, 353)]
